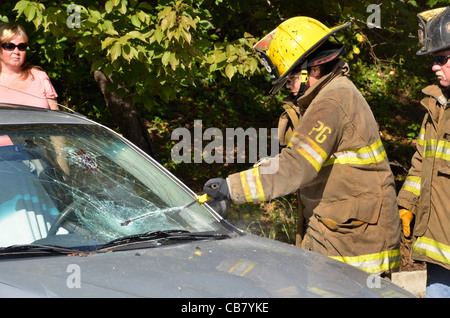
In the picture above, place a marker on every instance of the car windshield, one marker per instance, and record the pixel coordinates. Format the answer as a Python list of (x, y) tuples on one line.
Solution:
[(78, 185)]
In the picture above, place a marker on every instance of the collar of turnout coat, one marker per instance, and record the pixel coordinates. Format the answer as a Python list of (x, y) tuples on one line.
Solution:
[(341, 68)]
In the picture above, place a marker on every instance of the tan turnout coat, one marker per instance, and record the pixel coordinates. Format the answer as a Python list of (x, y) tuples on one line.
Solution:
[(426, 190), (337, 163)]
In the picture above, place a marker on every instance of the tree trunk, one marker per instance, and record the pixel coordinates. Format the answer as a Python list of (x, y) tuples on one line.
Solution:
[(126, 115)]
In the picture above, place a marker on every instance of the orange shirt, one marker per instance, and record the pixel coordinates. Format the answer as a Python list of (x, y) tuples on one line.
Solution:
[(34, 91)]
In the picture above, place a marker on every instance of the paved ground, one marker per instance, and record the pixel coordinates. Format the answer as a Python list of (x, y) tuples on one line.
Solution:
[(413, 281)]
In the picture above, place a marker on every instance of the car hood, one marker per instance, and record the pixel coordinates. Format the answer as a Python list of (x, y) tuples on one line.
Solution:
[(246, 266)]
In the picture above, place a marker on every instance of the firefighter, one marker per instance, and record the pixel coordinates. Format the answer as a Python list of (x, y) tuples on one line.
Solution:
[(424, 198), (334, 158)]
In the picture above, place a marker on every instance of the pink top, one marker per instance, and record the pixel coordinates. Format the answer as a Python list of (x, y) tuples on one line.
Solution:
[(35, 93)]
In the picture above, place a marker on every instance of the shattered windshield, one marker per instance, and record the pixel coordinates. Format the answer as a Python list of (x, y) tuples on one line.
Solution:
[(78, 185)]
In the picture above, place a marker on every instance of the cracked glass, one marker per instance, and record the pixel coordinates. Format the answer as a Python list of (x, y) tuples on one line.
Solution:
[(76, 185)]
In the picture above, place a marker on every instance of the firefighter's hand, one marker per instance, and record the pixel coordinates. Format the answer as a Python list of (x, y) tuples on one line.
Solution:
[(406, 217), (217, 189)]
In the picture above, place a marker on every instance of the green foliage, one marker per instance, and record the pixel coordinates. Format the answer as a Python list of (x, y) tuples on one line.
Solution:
[(276, 220), (147, 50)]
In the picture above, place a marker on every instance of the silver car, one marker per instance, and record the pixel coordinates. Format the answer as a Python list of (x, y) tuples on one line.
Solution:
[(85, 213)]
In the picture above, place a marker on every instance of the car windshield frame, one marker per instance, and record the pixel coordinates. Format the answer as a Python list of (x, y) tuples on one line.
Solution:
[(75, 185)]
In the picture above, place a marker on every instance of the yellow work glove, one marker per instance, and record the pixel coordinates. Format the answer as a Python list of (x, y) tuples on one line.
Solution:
[(406, 216)]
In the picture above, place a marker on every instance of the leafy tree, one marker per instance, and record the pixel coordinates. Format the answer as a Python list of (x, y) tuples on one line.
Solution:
[(141, 54)]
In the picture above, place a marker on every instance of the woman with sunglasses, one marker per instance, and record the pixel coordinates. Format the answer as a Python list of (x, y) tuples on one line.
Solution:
[(424, 199), (21, 83)]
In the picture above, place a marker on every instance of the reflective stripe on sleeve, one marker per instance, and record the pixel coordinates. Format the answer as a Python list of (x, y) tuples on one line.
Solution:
[(412, 184), (251, 183), (421, 137), (311, 151)]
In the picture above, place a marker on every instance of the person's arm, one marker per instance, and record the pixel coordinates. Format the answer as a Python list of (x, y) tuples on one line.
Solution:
[(410, 192), (49, 91), (313, 141), (52, 103)]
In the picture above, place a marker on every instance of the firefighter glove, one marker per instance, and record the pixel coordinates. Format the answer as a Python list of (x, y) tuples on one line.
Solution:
[(406, 216), (217, 188)]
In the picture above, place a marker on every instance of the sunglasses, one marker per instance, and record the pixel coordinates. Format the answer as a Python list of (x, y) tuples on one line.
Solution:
[(8, 46), (441, 60)]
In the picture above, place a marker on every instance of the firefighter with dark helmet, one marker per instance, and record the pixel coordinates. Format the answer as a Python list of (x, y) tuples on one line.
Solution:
[(334, 158), (424, 198)]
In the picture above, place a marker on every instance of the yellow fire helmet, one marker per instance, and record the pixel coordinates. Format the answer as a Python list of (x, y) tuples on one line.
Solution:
[(286, 47)]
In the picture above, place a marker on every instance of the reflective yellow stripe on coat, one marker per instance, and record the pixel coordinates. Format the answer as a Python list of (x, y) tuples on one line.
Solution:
[(311, 151), (432, 249), (373, 263), (251, 183), (433, 147), (412, 184), (374, 153), (317, 157)]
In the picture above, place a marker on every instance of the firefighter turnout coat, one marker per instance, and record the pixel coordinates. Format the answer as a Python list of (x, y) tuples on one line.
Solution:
[(337, 163), (426, 190)]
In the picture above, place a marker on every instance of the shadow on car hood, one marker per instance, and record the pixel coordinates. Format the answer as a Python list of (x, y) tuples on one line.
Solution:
[(247, 266)]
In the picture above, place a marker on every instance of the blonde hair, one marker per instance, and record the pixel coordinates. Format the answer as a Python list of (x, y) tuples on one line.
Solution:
[(7, 32)]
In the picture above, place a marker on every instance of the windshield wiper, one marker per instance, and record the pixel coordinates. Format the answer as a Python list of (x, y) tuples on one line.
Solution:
[(177, 235), (29, 249)]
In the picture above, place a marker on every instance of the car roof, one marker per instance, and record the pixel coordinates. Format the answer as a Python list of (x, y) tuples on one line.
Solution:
[(19, 115)]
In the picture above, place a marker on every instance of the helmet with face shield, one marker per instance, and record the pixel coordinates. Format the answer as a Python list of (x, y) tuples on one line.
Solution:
[(434, 30), (287, 48)]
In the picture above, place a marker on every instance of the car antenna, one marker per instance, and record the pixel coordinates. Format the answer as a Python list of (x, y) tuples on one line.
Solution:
[(16, 90)]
